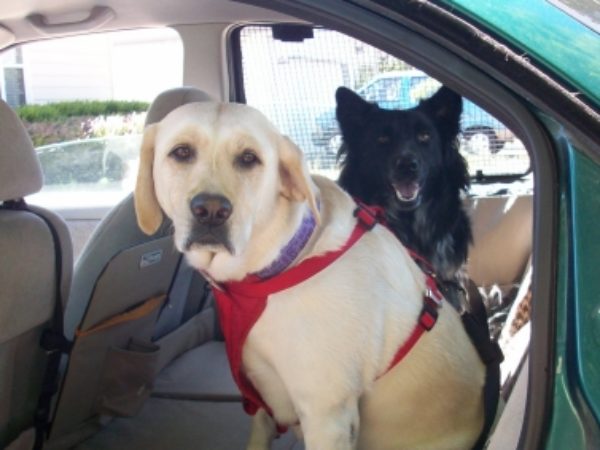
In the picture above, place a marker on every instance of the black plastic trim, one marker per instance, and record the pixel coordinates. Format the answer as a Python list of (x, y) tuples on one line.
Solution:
[(237, 92)]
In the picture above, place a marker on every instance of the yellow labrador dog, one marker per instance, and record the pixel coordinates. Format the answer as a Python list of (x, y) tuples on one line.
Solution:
[(237, 192)]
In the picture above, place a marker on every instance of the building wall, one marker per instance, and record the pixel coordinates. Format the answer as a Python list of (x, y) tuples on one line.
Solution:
[(129, 65)]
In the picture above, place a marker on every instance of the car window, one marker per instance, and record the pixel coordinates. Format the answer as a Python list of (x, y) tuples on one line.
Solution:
[(383, 90), (83, 101), (293, 82)]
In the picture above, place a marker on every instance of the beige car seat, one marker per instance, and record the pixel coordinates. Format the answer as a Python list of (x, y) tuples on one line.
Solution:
[(35, 277), (121, 302)]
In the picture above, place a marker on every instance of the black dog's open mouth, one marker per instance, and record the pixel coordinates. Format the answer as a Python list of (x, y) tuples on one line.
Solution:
[(407, 191), (405, 182), (408, 194)]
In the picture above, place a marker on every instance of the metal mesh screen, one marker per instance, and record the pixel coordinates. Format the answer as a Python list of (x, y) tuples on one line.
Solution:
[(293, 84)]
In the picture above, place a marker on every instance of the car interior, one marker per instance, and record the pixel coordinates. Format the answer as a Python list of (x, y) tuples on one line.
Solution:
[(143, 364)]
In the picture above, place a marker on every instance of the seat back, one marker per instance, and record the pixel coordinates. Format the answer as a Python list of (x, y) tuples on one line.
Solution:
[(35, 247), (119, 230), (502, 239), (124, 281)]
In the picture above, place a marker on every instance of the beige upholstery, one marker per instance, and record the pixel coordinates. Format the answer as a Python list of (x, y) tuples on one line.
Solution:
[(508, 429), (502, 239), (119, 230), (119, 269), (167, 101), (199, 374), (27, 241), (20, 170), (183, 425), (27, 279)]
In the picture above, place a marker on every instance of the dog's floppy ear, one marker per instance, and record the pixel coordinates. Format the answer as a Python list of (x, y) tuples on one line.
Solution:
[(445, 106), (296, 183), (147, 210)]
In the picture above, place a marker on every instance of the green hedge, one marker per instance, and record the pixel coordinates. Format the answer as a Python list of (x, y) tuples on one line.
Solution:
[(64, 110)]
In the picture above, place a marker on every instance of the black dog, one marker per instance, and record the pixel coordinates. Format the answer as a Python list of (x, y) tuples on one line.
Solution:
[(407, 161)]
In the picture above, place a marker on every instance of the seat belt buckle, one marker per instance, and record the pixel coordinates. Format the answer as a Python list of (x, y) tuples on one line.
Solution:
[(53, 342), (429, 313)]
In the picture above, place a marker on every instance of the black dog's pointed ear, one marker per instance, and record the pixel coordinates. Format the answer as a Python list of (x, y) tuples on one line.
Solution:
[(445, 106), (351, 108)]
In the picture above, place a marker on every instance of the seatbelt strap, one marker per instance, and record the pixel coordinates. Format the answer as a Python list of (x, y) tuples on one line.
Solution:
[(172, 311), (52, 340), (187, 296), (198, 296), (475, 322), (476, 326)]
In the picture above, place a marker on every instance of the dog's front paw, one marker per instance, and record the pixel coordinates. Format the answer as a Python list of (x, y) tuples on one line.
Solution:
[(263, 431), (253, 446)]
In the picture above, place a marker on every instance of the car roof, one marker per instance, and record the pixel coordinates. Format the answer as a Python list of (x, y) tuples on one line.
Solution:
[(549, 33), (29, 20), (542, 30)]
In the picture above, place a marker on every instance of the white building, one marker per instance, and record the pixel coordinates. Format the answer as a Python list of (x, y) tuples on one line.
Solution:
[(128, 65)]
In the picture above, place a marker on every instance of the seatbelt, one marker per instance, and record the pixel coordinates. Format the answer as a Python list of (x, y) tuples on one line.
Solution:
[(52, 340), (172, 311), (476, 325), (187, 296)]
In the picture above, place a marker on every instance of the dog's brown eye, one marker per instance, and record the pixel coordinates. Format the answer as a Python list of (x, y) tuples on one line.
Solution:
[(423, 137), (182, 153), (247, 159)]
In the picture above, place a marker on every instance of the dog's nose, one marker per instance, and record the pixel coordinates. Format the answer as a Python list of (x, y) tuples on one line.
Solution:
[(408, 164), (211, 209)]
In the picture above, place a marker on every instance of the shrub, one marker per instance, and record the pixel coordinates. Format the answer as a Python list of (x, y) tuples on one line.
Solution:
[(57, 112), (83, 127)]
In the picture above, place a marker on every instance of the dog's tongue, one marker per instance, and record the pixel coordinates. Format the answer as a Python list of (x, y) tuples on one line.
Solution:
[(406, 191)]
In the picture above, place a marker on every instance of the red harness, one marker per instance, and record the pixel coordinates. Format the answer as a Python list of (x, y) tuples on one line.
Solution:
[(241, 303)]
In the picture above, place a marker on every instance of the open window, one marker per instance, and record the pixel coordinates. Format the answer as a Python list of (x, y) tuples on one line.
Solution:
[(292, 78), (83, 100)]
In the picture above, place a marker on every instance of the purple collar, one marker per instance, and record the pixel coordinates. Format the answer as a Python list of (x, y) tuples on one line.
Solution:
[(292, 249)]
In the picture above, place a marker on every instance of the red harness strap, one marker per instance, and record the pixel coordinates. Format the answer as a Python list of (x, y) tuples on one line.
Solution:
[(241, 303), (427, 319)]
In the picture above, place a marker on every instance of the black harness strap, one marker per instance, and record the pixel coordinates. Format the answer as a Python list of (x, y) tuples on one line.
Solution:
[(475, 322), (52, 340), (476, 326)]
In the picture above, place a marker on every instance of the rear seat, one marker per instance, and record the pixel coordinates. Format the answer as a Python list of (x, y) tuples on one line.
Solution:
[(180, 424), (195, 404), (190, 377), (35, 277), (502, 239)]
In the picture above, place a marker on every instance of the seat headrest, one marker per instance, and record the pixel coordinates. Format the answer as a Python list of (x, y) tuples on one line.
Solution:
[(20, 170), (167, 101)]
